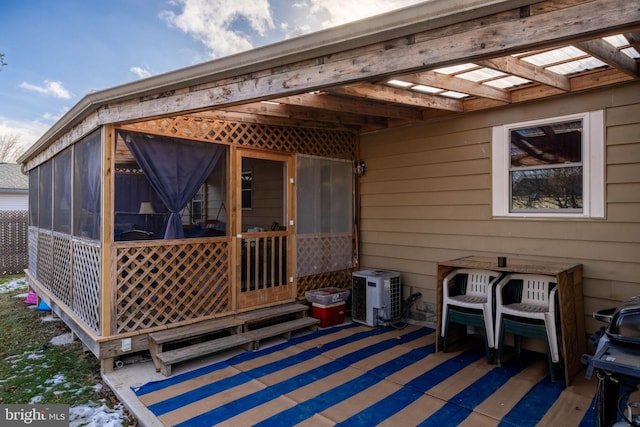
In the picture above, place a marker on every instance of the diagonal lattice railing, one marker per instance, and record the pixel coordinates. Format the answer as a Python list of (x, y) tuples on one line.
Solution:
[(159, 284)]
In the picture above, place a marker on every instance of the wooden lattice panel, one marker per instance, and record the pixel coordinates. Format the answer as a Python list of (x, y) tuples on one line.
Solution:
[(319, 253), (159, 285), (337, 144), (45, 258), (60, 284), (86, 283), (338, 279), (69, 268)]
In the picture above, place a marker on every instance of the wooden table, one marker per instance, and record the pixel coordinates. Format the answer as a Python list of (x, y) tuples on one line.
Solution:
[(573, 340)]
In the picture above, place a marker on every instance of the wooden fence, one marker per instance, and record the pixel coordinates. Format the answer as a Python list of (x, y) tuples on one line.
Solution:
[(14, 231)]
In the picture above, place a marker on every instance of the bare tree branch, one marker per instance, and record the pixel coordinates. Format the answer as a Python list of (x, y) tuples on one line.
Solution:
[(9, 147)]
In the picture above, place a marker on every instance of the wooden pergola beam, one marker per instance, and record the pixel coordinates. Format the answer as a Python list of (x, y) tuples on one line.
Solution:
[(398, 96), (634, 38), (611, 56), (249, 117), (305, 114), (447, 82), (339, 104), (526, 70)]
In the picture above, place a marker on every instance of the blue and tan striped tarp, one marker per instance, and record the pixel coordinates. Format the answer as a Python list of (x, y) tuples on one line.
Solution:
[(353, 375)]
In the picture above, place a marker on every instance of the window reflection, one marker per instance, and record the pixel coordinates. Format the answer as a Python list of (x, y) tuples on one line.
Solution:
[(546, 170)]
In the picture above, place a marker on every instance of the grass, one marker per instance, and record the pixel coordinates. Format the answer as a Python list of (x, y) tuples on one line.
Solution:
[(32, 370)]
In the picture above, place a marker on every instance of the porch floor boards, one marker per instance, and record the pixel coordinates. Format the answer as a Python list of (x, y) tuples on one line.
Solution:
[(245, 330)]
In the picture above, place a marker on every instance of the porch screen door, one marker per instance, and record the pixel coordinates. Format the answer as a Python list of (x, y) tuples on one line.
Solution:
[(263, 256)]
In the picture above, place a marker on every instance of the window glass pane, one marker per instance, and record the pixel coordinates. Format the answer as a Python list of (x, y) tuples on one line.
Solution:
[(547, 189), (33, 196), (44, 196), (62, 192), (548, 144)]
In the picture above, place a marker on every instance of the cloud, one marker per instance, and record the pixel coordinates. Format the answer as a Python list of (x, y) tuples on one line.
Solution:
[(50, 88), (141, 72), (337, 12), (330, 13), (224, 27)]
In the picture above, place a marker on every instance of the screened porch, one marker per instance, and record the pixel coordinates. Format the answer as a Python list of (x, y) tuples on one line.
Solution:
[(168, 231)]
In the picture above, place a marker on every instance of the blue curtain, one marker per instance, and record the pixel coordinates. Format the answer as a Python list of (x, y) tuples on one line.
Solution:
[(176, 169), (131, 189)]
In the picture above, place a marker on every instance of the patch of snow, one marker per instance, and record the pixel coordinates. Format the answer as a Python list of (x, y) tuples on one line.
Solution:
[(12, 285), (35, 399), (13, 357), (93, 415), (57, 379), (63, 339), (49, 318), (35, 356)]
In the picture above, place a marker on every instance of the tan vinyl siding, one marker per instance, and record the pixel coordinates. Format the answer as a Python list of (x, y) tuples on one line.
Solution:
[(426, 198)]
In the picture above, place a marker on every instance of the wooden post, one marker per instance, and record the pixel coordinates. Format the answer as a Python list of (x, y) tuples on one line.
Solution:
[(291, 229), (234, 198), (106, 210)]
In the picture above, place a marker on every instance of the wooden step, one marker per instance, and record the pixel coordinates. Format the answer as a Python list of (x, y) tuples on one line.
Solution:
[(168, 358), (265, 314), (245, 329), (284, 329), (197, 329), (157, 340)]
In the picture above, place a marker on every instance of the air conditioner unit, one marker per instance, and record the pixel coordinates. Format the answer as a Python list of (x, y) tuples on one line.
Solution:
[(376, 297)]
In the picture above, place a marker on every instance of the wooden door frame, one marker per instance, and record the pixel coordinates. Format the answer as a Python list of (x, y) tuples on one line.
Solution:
[(237, 154)]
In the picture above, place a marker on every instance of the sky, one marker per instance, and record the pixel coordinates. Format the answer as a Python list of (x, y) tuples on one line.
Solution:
[(58, 51)]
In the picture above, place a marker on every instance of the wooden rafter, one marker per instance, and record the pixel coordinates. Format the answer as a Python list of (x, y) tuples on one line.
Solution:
[(272, 119), (447, 82), (633, 38), (339, 104), (308, 114), (520, 68), (611, 56), (399, 96)]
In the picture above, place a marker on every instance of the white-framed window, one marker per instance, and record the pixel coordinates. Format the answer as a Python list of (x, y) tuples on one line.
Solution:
[(549, 168)]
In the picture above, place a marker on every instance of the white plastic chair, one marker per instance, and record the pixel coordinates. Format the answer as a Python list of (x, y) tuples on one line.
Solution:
[(469, 300), (526, 297)]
